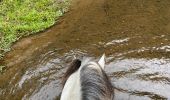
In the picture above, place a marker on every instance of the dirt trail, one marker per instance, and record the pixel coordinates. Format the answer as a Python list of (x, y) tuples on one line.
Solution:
[(127, 31)]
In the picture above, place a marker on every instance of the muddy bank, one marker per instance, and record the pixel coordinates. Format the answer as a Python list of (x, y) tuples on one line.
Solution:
[(133, 34)]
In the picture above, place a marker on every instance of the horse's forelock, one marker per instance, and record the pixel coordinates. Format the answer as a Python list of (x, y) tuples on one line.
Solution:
[(75, 65)]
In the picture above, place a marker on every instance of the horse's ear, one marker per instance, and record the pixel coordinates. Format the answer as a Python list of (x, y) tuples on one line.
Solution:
[(102, 61)]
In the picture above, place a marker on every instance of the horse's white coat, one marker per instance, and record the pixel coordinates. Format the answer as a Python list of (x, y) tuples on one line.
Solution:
[(72, 88)]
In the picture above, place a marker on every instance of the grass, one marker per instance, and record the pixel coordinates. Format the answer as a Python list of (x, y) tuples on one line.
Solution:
[(20, 18)]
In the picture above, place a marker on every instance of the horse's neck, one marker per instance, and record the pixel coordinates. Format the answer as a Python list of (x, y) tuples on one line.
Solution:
[(72, 88), (87, 83)]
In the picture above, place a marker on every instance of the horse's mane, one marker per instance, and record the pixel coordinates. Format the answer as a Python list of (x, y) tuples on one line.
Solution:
[(95, 84), (75, 65)]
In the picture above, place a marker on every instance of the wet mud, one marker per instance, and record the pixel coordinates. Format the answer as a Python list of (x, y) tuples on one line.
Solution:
[(134, 34)]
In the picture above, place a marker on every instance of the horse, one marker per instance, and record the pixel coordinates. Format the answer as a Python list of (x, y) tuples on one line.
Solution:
[(87, 80)]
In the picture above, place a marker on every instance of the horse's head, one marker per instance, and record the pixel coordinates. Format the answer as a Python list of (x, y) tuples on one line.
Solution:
[(75, 65), (84, 78)]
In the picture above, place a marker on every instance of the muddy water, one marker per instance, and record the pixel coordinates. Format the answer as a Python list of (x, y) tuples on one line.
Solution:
[(134, 34)]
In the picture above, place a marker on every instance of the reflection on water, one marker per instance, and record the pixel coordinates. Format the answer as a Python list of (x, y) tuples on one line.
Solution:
[(136, 79), (117, 41), (148, 78)]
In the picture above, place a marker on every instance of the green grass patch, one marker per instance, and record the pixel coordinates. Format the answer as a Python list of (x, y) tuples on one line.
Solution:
[(20, 18)]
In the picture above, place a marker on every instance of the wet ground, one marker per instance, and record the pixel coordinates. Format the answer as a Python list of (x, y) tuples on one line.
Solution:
[(134, 34)]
